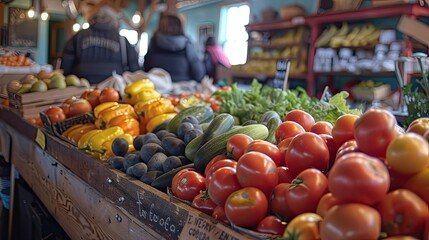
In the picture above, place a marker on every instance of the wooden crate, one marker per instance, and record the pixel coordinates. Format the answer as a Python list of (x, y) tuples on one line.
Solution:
[(370, 94), (30, 104)]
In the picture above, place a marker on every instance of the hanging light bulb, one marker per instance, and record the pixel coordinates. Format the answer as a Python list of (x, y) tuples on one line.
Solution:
[(31, 13), (76, 27), (44, 16), (85, 25), (136, 17)]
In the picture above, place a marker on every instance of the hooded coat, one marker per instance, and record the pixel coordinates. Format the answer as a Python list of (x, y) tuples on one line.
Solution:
[(176, 55), (96, 52)]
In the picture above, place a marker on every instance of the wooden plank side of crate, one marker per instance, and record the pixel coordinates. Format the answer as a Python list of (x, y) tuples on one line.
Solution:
[(80, 210), (52, 94)]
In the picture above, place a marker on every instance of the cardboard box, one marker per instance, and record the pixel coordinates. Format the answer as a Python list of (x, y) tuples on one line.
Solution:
[(414, 29), (370, 94)]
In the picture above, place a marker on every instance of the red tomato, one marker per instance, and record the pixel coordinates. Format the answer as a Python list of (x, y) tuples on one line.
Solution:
[(213, 161), (55, 114), (108, 95), (284, 175), (246, 207), (283, 146), (288, 129), (322, 127), (93, 97), (408, 154), (217, 165), (203, 203), (255, 169), (306, 190), (278, 202), (332, 147), (267, 148), (358, 178), (304, 226), (219, 214), (307, 150), (374, 130), (344, 151), (79, 106), (326, 202), (403, 213), (187, 184), (419, 126), (426, 230), (351, 221), (397, 180), (419, 184), (271, 225), (303, 118), (343, 128), (222, 183), (236, 145)]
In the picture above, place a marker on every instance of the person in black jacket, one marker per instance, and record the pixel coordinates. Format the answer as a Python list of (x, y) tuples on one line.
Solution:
[(172, 51), (95, 53)]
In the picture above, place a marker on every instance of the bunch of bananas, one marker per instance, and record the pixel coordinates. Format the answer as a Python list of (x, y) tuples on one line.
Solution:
[(345, 36)]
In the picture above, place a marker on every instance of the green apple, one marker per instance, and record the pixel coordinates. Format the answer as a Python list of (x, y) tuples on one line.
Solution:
[(25, 88), (39, 86), (84, 82), (72, 80), (57, 83), (57, 75)]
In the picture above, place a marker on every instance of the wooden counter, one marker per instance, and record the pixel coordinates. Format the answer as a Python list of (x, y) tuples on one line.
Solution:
[(91, 200)]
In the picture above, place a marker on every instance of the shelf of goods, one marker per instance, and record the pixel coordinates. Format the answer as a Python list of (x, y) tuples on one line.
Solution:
[(91, 200), (274, 40)]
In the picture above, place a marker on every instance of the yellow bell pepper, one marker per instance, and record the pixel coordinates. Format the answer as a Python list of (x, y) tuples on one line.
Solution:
[(137, 86), (144, 95), (122, 109), (162, 105), (103, 106), (95, 143), (82, 144), (155, 121)]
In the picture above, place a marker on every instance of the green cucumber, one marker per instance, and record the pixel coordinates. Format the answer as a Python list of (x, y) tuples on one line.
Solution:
[(164, 181), (220, 124), (272, 126), (202, 113), (217, 145), (249, 122), (265, 118)]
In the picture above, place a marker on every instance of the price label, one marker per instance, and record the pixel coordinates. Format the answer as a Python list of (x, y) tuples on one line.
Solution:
[(40, 139), (282, 74), (199, 228)]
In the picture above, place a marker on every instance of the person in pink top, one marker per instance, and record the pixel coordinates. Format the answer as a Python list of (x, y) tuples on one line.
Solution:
[(214, 56)]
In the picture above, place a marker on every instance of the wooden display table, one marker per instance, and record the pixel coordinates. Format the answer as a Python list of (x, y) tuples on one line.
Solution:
[(89, 199)]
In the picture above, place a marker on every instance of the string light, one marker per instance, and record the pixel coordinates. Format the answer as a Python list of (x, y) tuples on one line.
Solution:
[(44, 16), (85, 25), (136, 17), (31, 13), (76, 27)]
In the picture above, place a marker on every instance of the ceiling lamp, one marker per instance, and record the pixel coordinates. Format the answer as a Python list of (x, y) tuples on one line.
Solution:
[(76, 27), (31, 12), (44, 15)]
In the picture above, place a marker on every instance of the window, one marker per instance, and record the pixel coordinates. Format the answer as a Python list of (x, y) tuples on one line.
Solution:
[(131, 35), (141, 45), (235, 46)]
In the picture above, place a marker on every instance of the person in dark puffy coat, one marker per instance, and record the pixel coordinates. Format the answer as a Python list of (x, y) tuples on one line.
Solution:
[(95, 53), (172, 51)]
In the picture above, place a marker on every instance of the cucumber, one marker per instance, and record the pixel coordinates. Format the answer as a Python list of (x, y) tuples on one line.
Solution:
[(265, 118), (192, 147), (217, 145), (272, 125), (249, 122), (164, 181), (202, 113), (220, 124)]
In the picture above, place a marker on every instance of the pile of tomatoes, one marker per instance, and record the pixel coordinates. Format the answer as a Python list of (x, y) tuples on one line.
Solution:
[(362, 178)]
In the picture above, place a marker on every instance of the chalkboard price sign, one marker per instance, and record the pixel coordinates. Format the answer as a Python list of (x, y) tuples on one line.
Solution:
[(22, 30), (282, 74)]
